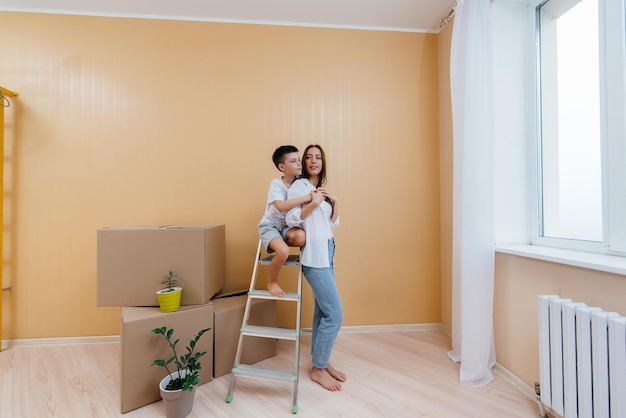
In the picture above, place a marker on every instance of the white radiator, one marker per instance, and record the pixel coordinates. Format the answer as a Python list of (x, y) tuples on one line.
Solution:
[(582, 359)]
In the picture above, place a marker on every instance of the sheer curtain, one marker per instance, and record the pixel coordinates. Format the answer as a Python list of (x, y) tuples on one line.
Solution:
[(471, 79)]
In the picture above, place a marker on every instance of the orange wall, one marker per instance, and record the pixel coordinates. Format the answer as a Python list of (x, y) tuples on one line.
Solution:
[(124, 122), (518, 283), (445, 174)]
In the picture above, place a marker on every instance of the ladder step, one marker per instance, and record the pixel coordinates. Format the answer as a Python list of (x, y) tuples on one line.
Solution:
[(264, 294), (264, 373), (270, 332), (292, 260), (278, 333)]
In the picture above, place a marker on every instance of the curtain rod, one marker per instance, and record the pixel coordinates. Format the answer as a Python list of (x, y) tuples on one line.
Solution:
[(447, 18)]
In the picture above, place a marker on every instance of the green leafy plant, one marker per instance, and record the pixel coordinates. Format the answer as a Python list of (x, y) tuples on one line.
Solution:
[(170, 280), (188, 361)]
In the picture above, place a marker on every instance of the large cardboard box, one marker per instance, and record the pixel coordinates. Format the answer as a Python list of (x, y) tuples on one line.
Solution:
[(140, 347), (229, 312), (132, 261)]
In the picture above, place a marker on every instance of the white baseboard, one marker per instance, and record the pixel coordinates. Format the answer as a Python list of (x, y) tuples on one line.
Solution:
[(33, 342), (515, 381), (525, 389), (359, 329), (356, 329), (37, 342)]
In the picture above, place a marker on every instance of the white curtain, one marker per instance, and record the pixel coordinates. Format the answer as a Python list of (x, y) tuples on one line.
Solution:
[(471, 79)]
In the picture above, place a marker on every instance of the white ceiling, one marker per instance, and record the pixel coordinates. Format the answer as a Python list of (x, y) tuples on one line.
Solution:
[(400, 15)]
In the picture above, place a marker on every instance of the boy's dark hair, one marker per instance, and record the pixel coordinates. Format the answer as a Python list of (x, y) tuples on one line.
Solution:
[(279, 154)]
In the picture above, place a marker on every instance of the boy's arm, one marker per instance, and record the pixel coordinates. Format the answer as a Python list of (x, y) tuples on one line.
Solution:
[(285, 205), (317, 197)]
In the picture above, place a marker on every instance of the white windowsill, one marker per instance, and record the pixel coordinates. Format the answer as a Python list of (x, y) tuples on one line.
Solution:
[(593, 261)]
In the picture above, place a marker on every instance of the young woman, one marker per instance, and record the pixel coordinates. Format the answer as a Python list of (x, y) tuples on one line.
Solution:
[(319, 218)]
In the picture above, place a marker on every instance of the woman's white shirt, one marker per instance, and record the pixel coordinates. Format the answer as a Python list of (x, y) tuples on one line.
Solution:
[(318, 226)]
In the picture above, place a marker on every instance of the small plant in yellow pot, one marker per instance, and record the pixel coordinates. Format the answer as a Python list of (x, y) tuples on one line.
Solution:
[(169, 296)]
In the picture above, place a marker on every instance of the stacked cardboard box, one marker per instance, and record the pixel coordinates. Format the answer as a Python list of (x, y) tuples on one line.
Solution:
[(130, 266), (134, 260)]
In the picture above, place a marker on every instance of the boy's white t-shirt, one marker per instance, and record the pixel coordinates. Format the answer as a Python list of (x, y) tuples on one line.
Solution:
[(277, 191), (318, 226)]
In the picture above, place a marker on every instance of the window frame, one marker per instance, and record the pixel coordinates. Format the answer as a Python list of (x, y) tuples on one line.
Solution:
[(612, 17)]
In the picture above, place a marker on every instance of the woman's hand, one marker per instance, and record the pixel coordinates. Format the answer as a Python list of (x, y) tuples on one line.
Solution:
[(317, 197), (333, 200), (327, 194)]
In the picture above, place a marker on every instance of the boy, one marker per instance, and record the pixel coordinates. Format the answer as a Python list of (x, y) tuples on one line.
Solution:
[(273, 231)]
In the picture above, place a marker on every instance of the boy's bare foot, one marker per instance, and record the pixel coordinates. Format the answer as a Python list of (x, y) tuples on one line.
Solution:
[(324, 378), (275, 289), (336, 374)]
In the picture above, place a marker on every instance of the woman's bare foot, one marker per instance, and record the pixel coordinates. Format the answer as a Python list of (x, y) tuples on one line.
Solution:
[(275, 289), (336, 374), (324, 378)]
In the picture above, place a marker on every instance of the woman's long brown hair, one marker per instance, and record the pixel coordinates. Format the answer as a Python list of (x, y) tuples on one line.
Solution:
[(321, 179)]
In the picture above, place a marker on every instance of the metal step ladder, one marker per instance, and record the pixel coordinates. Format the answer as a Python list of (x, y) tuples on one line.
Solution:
[(293, 334)]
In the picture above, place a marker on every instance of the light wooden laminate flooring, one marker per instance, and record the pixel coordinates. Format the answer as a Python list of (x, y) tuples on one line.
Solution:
[(390, 374)]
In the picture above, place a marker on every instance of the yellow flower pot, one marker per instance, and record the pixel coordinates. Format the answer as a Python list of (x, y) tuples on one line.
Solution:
[(169, 301)]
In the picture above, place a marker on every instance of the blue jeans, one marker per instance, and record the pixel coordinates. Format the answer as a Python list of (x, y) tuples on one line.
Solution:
[(328, 313)]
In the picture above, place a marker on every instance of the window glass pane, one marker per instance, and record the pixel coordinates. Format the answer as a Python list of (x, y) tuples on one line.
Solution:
[(570, 120)]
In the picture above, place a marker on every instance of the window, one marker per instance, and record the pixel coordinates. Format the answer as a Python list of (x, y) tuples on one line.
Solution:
[(581, 111)]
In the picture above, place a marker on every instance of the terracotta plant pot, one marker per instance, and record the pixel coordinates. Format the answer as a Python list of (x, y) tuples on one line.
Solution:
[(169, 301), (177, 403)]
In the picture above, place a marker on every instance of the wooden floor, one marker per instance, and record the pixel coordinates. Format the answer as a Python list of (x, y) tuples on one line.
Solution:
[(390, 374)]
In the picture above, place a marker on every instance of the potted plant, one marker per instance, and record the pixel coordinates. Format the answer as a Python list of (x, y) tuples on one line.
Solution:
[(169, 296), (178, 387)]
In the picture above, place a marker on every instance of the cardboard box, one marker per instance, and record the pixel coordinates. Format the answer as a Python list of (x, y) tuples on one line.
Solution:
[(140, 347), (229, 312), (132, 261)]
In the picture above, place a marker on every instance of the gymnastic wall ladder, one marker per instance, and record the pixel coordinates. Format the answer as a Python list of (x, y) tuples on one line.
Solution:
[(4, 102)]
